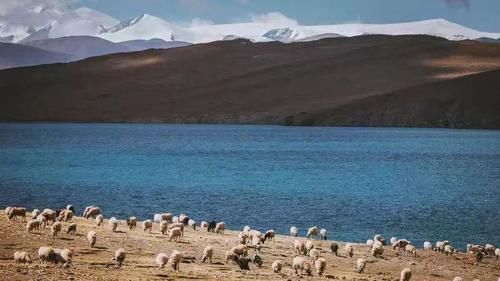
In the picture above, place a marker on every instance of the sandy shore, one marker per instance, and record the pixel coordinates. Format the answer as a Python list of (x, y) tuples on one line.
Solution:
[(96, 264)]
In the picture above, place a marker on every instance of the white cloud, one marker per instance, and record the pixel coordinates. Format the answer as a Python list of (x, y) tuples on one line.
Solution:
[(274, 19), (33, 12)]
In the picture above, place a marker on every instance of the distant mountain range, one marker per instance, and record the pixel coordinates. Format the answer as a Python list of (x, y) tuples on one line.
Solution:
[(372, 80)]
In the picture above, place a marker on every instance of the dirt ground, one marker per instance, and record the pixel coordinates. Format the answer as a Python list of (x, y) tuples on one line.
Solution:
[(141, 248)]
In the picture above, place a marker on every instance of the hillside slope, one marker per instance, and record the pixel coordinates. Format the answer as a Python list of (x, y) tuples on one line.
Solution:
[(14, 55), (236, 81)]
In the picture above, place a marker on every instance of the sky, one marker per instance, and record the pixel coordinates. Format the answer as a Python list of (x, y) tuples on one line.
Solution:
[(483, 15)]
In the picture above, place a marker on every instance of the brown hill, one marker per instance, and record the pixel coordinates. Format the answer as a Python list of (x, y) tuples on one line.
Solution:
[(236, 81)]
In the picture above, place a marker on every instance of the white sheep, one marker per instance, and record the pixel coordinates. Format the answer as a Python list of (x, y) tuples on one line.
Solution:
[(92, 238), (489, 249), (349, 249), (204, 224), (35, 213), (64, 256), (240, 250), (300, 263), (132, 223), (175, 219), (22, 257), (42, 221), (164, 227), (92, 212), (294, 231), (320, 265), (231, 256), (179, 225), (99, 220), (192, 224), (457, 278), (46, 254), (113, 223), (65, 215), (299, 247), (314, 254), (157, 218), (277, 266), (360, 265), (309, 246), (323, 235), (449, 250), (119, 257), (56, 229), (405, 274), (246, 228), (427, 246), (377, 248), (219, 227), (393, 240), (147, 225), (161, 260), (412, 250), (208, 253), (50, 215), (71, 229), (312, 231), (175, 259), (183, 217), (242, 237), (256, 243), (379, 238), (497, 253), (32, 225), (175, 234), (369, 242)]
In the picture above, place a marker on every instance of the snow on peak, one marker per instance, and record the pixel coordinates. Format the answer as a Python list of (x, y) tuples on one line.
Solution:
[(144, 27), (282, 34)]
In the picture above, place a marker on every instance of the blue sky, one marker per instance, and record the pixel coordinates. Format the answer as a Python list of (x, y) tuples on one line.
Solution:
[(483, 15)]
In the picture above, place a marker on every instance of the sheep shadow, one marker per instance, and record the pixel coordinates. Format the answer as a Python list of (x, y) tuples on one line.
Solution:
[(66, 239), (120, 231), (101, 247)]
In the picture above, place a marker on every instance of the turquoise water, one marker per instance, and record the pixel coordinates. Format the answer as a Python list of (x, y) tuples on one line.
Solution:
[(420, 184)]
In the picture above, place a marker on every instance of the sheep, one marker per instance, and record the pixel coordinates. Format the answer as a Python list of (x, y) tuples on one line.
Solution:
[(119, 257), (157, 218), (92, 212), (427, 246), (65, 215), (393, 240), (400, 244), (256, 243), (71, 208), (164, 227), (489, 249), (405, 274), (175, 259), (497, 253), (309, 246), (32, 225), (449, 250), (369, 242), (457, 279), (269, 235), (92, 238), (377, 248), (35, 213), (320, 265), (312, 231), (7, 210), (64, 256), (242, 237), (184, 219), (15, 212), (161, 260), (175, 233), (167, 217), (46, 254), (86, 210), (42, 221), (71, 229), (204, 224), (257, 260), (230, 255), (323, 234), (276, 266), (219, 228), (440, 246), (255, 234), (349, 249), (147, 225), (243, 262), (175, 219), (99, 219), (379, 238), (299, 247), (246, 228), (55, 229), (211, 226), (240, 250), (49, 215), (113, 223), (179, 225), (412, 250), (191, 223), (360, 265), (132, 223), (300, 263), (22, 257), (334, 247), (314, 254), (294, 232), (208, 253)]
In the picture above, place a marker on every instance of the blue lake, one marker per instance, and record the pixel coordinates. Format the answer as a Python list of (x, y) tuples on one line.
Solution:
[(419, 184)]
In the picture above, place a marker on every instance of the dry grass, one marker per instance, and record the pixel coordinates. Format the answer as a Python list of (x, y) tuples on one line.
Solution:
[(96, 264)]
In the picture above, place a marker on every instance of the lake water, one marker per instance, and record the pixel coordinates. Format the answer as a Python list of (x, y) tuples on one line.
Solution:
[(420, 184)]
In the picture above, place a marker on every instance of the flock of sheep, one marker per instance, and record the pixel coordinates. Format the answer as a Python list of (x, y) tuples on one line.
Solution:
[(173, 226)]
